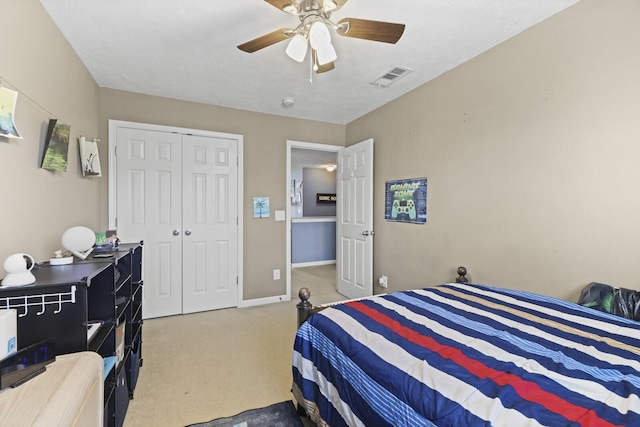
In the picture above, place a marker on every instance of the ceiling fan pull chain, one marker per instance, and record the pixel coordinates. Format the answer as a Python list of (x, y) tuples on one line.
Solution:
[(311, 68)]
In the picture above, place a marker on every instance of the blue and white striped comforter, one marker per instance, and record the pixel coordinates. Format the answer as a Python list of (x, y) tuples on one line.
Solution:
[(467, 355)]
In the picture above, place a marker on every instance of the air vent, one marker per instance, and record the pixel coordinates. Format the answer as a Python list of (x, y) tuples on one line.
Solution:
[(391, 76)]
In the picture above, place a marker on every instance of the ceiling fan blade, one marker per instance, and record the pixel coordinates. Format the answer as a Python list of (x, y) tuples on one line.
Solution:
[(266, 40), (326, 67), (288, 6), (379, 31)]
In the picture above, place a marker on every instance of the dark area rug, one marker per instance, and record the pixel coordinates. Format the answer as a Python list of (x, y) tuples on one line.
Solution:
[(282, 414)]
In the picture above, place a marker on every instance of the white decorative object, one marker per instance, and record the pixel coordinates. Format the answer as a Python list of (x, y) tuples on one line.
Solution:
[(18, 268), (79, 241), (59, 259)]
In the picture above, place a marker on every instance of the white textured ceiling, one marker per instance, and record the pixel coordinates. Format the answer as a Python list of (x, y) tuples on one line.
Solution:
[(304, 158), (187, 49)]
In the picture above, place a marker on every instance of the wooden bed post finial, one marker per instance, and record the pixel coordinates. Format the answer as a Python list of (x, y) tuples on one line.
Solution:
[(304, 306), (462, 275)]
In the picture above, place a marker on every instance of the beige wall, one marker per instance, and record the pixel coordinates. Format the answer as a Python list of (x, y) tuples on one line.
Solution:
[(38, 205), (265, 139), (531, 153)]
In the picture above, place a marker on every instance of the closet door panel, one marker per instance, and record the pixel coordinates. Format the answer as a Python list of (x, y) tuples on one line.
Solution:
[(210, 222), (149, 209)]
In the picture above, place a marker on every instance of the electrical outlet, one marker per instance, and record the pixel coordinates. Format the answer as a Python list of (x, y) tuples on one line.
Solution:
[(383, 281), (276, 274)]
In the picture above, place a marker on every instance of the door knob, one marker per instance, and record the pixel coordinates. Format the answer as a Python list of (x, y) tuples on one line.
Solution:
[(176, 232), (187, 232), (365, 233)]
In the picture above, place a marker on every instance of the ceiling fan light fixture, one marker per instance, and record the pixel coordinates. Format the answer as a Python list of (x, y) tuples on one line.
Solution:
[(326, 54), (320, 41), (329, 5), (319, 35), (297, 48)]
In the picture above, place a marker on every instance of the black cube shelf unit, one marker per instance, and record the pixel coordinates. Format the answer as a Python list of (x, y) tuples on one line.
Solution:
[(66, 299)]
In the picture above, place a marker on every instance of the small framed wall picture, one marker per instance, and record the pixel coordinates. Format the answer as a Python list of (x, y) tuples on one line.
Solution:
[(8, 99), (89, 158), (56, 147), (261, 207), (406, 201)]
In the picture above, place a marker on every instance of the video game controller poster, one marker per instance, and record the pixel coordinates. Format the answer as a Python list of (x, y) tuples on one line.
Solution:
[(406, 201)]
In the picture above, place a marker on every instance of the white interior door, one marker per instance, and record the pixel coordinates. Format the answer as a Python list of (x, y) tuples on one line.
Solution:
[(209, 219), (354, 252), (149, 208)]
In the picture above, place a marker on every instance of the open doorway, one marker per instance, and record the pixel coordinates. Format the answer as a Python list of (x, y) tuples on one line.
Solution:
[(311, 225)]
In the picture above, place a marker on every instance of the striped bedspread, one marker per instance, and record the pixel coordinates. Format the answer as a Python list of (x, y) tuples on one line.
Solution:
[(467, 355)]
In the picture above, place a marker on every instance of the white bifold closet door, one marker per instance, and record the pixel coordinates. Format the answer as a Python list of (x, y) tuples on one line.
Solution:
[(178, 193)]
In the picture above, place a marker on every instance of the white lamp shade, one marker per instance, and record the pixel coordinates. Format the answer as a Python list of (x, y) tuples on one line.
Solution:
[(297, 48), (319, 36), (326, 54), (78, 239), (320, 40)]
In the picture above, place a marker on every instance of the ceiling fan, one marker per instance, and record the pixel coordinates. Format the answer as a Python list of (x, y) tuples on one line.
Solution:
[(313, 31)]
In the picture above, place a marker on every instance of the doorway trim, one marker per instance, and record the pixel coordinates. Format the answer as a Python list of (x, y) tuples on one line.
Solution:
[(114, 124), (304, 146)]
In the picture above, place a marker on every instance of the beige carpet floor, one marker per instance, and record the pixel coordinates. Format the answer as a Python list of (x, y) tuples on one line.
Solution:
[(203, 366)]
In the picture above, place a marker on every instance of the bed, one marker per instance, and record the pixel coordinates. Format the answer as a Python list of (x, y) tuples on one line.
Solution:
[(466, 355)]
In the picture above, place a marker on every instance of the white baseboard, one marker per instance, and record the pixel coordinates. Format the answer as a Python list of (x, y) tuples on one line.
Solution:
[(263, 301), (314, 263)]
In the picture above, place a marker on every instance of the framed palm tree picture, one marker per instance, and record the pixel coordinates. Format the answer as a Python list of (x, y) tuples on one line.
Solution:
[(261, 207)]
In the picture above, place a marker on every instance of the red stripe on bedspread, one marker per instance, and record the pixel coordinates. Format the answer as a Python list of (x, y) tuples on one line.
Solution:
[(528, 390)]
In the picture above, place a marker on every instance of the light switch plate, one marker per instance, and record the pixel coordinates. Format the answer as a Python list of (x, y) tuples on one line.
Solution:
[(280, 216)]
